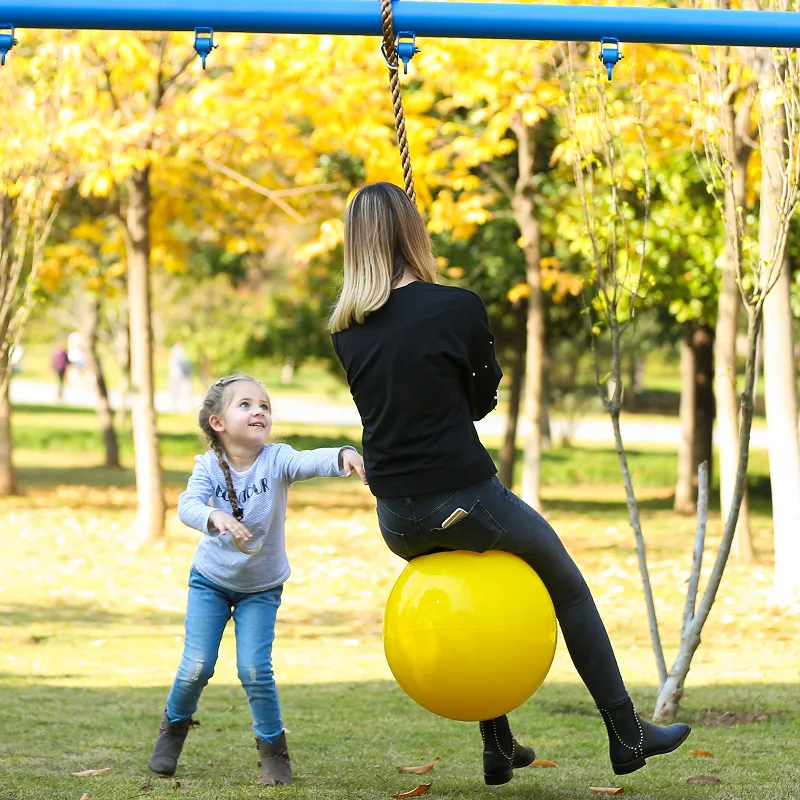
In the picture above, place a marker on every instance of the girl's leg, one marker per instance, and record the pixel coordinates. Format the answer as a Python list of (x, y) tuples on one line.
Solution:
[(254, 616), (207, 613)]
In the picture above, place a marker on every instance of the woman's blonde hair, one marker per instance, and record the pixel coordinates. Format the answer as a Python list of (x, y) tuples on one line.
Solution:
[(384, 236)]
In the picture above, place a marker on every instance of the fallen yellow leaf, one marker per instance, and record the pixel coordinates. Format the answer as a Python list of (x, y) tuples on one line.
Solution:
[(418, 792), (703, 753), (418, 770), (606, 789), (88, 773), (543, 763)]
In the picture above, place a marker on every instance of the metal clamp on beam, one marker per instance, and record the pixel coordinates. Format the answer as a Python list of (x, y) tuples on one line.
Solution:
[(406, 45), (7, 40), (406, 50), (204, 43), (609, 53)]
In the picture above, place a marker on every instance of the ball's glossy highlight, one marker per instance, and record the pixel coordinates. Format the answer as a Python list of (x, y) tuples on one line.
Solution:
[(469, 636)]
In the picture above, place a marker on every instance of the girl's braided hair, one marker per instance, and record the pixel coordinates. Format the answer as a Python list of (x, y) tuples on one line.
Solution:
[(215, 405)]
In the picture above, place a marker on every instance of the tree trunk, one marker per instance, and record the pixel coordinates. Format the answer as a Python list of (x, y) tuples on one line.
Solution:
[(545, 404), (780, 382), (8, 481), (703, 347), (696, 412), (122, 347), (725, 371), (149, 478), (524, 208), (508, 452), (684, 487), (94, 367)]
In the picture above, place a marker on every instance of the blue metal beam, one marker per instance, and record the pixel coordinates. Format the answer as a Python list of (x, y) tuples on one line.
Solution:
[(478, 20)]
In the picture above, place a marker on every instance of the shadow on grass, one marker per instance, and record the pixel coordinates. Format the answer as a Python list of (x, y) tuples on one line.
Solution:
[(347, 740), (98, 477), (305, 624), (83, 614)]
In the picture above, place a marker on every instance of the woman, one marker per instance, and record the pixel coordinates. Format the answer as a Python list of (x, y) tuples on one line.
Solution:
[(420, 363)]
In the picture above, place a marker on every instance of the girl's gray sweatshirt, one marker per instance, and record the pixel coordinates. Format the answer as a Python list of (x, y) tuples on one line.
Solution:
[(262, 492)]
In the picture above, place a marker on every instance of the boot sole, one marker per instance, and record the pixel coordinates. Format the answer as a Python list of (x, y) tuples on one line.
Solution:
[(632, 766), (498, 778), (161, 771)]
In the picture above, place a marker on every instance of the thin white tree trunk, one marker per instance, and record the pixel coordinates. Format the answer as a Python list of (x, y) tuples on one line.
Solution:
[(671, 691), (725, 394), (524, 209), (780, 382), (784, 454), (149, 477)]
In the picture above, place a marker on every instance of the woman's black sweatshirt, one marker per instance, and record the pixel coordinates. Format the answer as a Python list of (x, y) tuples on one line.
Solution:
[(421, 368)]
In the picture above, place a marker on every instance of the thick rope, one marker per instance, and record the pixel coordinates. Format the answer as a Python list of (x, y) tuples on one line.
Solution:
[(397, 97)]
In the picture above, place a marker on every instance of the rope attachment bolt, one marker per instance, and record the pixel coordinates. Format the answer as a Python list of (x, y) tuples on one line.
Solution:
[(204, 43), (609, 53), (7, 40), (405, 44)]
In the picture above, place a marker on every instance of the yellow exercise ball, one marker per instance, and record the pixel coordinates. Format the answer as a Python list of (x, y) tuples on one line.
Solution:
[(469, 636)]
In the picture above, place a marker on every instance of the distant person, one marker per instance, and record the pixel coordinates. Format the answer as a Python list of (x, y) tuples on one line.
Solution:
[(420, 363), (15, 358), (237, 494), (76, 355), (59, 361), (180, 377)]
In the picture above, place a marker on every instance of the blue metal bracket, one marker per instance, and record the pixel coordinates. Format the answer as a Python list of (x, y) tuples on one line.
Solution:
[(609, 53), (204, 43), (406, 50), (7, 40), (406, 45)]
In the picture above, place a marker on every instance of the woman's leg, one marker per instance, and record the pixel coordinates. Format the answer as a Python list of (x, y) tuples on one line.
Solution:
[(529, 536), (208, 611)]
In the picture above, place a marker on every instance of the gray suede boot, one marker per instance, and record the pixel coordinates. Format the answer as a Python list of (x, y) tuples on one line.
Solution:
[(171, 736), (276, 768)]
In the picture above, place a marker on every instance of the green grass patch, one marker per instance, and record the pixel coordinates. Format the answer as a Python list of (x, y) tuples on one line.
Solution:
[(93, 628)]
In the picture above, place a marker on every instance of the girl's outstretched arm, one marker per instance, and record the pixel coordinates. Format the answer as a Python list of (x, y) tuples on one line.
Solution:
[(193, 508), (322, 462)]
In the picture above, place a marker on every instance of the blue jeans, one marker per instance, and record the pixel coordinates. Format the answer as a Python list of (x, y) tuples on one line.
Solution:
[(499, 520), (209, 608)]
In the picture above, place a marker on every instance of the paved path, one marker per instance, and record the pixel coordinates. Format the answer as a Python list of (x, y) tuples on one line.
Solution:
[(289, 407)]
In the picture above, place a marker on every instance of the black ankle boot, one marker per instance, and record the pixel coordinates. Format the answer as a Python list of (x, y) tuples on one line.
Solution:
[(168, 746), (501, 752), (632, 740)]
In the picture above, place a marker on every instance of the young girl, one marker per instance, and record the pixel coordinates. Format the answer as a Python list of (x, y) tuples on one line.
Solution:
[(236, 496), (420, 362)]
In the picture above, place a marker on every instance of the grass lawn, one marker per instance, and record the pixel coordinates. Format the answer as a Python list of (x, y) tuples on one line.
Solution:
[(91, 635)]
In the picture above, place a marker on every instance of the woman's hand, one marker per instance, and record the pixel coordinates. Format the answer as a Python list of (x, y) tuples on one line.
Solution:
[(225, 523), (350, 460)]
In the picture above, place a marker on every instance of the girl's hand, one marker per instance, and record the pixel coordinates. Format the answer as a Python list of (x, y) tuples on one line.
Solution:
[(225, 523), (350, 460)]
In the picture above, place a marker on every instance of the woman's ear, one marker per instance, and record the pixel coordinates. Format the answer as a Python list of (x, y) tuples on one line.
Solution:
[(216, 423)]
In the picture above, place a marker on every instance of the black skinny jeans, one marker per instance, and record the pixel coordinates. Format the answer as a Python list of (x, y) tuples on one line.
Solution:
[(499, 520)]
